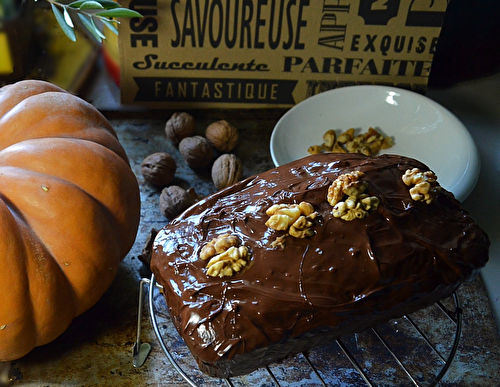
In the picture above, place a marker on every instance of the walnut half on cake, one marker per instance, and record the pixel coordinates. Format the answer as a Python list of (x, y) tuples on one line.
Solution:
[(306, 252)]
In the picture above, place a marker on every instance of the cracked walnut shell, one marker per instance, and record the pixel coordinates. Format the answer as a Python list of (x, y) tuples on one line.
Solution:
[(222, 135)]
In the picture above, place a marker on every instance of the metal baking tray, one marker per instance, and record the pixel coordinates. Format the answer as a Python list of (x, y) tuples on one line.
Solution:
[(415, 350)]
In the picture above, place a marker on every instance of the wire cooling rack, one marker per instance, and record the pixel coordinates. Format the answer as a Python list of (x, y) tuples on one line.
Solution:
[(415, 350)]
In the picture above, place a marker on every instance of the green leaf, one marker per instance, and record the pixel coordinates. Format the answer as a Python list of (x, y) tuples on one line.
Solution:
[(109, 4), (76, 4), (96, 29), (106, 4), (91, 5), (67, 29), (90, 26), (67, 18), (119, 12), (108, 23)]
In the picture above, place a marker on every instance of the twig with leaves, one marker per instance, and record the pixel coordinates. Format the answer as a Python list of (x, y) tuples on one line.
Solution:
[(90, 12)]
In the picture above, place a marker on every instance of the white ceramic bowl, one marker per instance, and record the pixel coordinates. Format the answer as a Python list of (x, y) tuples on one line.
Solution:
[(420, 127)]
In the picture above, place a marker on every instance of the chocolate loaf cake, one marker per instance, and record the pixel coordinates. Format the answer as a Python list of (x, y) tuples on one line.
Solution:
[(328, 245)]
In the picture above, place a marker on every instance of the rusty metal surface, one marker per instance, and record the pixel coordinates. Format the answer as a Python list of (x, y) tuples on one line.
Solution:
[(96, 350)]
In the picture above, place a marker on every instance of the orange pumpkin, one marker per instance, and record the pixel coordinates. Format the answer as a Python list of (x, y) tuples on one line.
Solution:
[(69, 212)]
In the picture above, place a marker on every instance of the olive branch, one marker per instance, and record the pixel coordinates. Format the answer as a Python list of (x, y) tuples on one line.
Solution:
[(91, 13)]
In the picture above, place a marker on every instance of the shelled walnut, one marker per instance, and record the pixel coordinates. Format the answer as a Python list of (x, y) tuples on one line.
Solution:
[(226, 170), (159, 168), (296, 219), (222, 135), (225, 254), (147, 249), (369, 143), (348, 198), (197, 151), (423, 185), (179, 126)]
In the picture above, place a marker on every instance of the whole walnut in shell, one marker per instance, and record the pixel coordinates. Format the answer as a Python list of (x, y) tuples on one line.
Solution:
[(179, 126), (174, 200), (158, 168), (222, 135), (197, 151), (226, 171)]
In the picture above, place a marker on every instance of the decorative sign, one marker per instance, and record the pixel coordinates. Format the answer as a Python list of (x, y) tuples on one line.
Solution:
[(272, 53)]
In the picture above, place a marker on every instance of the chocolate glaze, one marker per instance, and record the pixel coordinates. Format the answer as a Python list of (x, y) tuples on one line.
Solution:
[(351, 275)]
